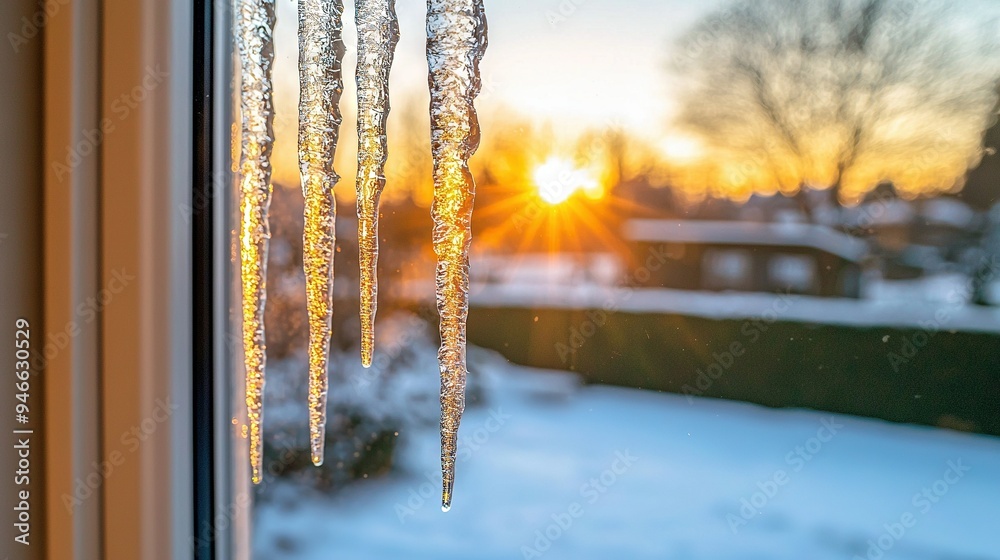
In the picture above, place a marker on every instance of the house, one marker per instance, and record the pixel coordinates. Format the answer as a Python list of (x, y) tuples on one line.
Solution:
[(748, 256), (914, 238)]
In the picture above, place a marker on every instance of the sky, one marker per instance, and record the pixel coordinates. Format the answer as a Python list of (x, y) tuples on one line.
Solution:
[(577, 64), (565, 66)]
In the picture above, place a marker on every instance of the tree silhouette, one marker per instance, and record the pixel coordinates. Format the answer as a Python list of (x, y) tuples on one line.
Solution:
[(982, 185), (844, 94)]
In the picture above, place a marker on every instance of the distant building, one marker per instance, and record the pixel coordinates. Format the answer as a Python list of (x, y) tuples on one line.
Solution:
[(911, 239), (747, 256)]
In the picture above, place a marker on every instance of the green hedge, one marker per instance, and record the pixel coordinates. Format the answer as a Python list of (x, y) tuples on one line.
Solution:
[(897, 374)]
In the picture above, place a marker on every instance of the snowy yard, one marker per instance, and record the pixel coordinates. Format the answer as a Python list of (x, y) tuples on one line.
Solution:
[(552, 469)]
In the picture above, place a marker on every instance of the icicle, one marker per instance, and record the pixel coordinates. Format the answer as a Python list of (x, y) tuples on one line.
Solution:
[(456, 41), (378, 32), (255, 24), (321, 51)]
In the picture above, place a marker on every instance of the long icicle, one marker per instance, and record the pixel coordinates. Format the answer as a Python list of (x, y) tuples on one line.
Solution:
[(378, 33), (255, 25), (321, 52), (456, 42)]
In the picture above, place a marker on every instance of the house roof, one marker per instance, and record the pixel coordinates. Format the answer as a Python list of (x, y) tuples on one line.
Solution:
[(713, 232), (948, 211), (892, 212)]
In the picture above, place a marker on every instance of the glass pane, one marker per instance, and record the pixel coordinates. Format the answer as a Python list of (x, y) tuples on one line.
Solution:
[(733, 288)]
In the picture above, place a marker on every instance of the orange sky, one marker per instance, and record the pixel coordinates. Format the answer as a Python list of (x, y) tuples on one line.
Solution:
[(600, 63), (575, 64)]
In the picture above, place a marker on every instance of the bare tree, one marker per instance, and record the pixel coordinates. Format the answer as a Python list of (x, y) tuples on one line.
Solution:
[(842, 94)]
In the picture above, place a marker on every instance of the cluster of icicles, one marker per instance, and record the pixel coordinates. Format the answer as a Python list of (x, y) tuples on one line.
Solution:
[(456, 41)]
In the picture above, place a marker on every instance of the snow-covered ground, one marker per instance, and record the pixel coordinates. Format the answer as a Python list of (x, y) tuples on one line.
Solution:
[(949, 309), (943, 299), (552, 469)]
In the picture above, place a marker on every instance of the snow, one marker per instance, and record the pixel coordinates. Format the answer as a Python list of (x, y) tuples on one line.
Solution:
[(529, 452), (948, 211), (939, 288), (784, 234), (947, 307), (561, 269), (891, 212)]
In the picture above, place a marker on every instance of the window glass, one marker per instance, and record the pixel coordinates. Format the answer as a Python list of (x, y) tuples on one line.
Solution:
[(734, 289)]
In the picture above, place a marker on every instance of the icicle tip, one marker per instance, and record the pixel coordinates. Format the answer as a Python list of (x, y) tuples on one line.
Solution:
[(317, 448), (446, 495)]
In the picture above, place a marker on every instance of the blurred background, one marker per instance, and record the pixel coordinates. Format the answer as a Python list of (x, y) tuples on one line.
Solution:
[(735, 289)]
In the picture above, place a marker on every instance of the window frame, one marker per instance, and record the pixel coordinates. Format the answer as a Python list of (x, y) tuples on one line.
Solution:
[(151, 200)]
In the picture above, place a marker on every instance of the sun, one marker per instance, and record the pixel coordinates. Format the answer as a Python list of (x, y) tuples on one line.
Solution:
[(558, 179)]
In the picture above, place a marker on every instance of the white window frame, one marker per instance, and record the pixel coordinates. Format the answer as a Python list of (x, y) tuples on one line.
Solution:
[(126, 208)]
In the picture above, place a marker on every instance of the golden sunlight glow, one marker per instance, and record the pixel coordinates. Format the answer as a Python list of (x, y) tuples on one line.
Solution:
[(557, 179), (681, 149)]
